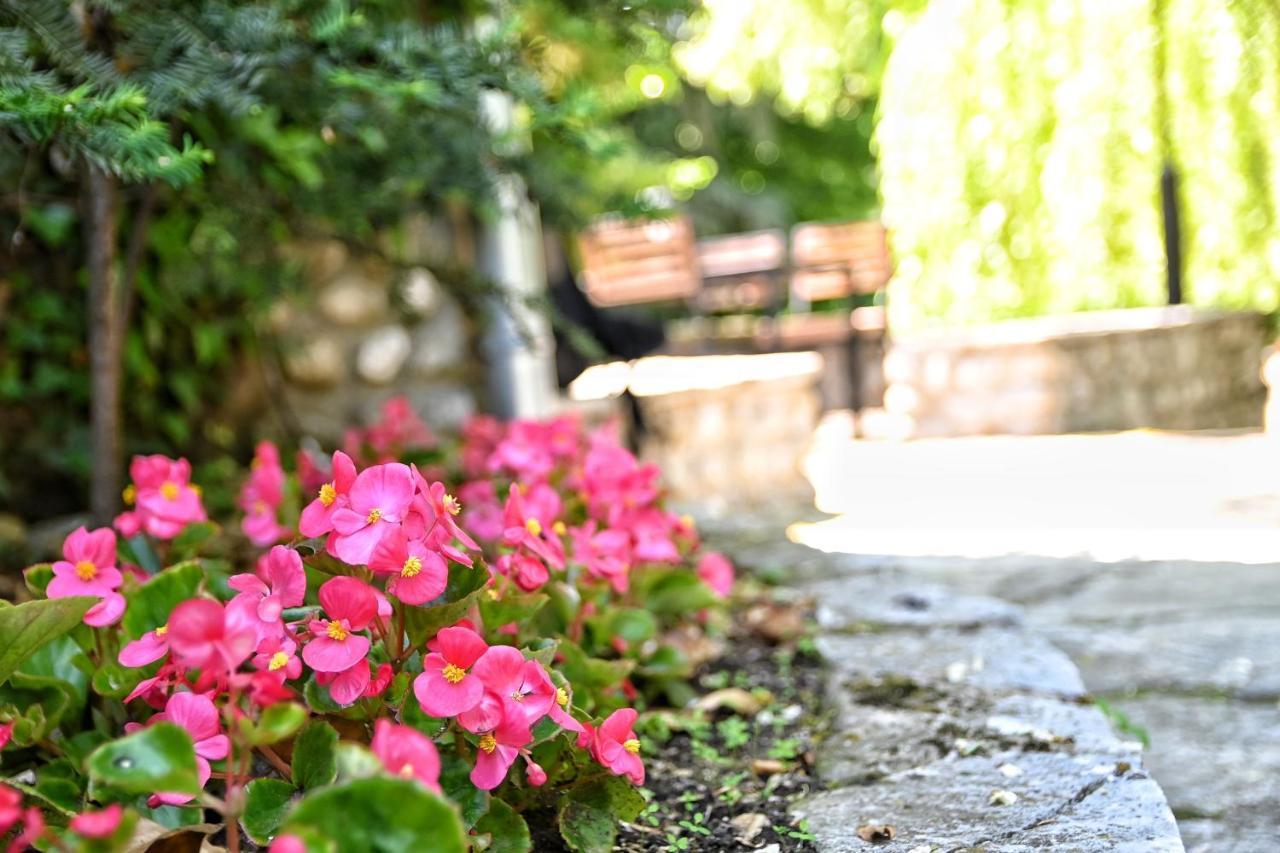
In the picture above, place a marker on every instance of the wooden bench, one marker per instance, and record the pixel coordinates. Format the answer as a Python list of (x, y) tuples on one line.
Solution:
[(650, 262)]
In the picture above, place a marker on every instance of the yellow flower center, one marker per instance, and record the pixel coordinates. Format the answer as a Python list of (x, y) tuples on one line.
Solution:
[(491, 594), (86, 570), (259, 507), (533, 526), (169, 490), (328, 494), (451, 505), (559, 528), (199, 492), (453, 673), (412, 566), (336, 631), (632, 746), (562, 697), (488, 743), (406, 771), (280, 660), (374, 515), (517, 696), (162, 630), (130, 494)]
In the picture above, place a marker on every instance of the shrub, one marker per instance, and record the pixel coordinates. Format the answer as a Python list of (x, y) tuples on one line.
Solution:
[(407, 670)]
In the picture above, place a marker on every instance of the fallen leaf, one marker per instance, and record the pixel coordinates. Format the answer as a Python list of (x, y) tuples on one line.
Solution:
[(150, 837), (767, 766), (734, 698), (695, 645), (1002, 798), (875, 833), (747, 826), (775, 621)]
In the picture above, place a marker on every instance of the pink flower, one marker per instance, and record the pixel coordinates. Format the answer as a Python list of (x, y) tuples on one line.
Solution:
[(88, 566), (261, 496), (32, 829), (529, 573), (280, 582), (418, 574), (481, 511), (335, 646), (106, 612), (615, 745), (716, 571), (166, 500), (524, 452), (526, 691), (379, 498), (99, 824), (445, 688), (206, 636), (606, 554), (497, 750), (432, 515), (525, 530), (652, 530), (347, 686), (287, 844), (6, 733), (406, 752), (317, 516), (199, 716), (10, 808), (380, 681), (276, 655), (148, 648), (535, 774)]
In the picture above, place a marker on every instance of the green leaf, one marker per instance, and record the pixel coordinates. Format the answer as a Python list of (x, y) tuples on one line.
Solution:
[(466, 587), (278, 722), (48, 687), (355, 761), (266, 802), (37, 578), (589, 814), (507, 829), (455, 781), (116, 681), (634, 626), (583, 670), (26, 628), (380, 815), (187, 543), (314, 760), (157, 758), (151, 603), (512, 607), (678, 591)]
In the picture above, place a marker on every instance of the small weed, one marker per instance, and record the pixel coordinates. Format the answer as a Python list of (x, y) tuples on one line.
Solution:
[(734, 731), (785, 750)]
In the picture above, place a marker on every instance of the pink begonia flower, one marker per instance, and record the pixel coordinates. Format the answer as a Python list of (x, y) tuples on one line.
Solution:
[(335, 646), (525, 530), (88, 566), (481, 510), (432, 514), (505, 671), (266, 689), (406, 752), (277, 655), (6, 734), (32, 828), (605, 554), (148, 648), (486, 716), (205, 635), (418, 574), (378, 500), (380, 681), (480, 436), (614, 481), (106, 612), (445, 688), (279, 582), (535, 774), (348, 685), (317, 516), (529, 573), (287, 844), (199, 716), (261, 496), (497, 750), (10, 808), (155, 690), (716, 571), (165, 498), (523, 452), (615, 745), (99, 824)]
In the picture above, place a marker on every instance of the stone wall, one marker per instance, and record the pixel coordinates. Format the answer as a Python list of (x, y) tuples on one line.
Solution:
[(727, 430), (366, 330), (1168, 368)]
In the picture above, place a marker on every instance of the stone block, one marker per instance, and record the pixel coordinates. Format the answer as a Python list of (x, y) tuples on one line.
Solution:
[(354, 299), (382, 354), (318, 362), (440, 342)]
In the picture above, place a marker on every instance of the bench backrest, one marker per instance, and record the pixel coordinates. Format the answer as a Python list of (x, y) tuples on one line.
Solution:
[(742, 271), (834, 260), (628, 262)]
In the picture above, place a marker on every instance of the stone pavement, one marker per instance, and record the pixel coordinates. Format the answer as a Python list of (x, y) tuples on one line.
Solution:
[(974, 591)]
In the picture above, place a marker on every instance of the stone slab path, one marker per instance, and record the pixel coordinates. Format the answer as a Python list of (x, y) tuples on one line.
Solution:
[(1147, 564)]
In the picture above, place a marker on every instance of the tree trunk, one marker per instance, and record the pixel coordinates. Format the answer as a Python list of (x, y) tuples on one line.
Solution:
[(106, 339)]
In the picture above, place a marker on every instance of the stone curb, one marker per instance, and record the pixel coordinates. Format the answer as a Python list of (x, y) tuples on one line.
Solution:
[(955, 724)]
